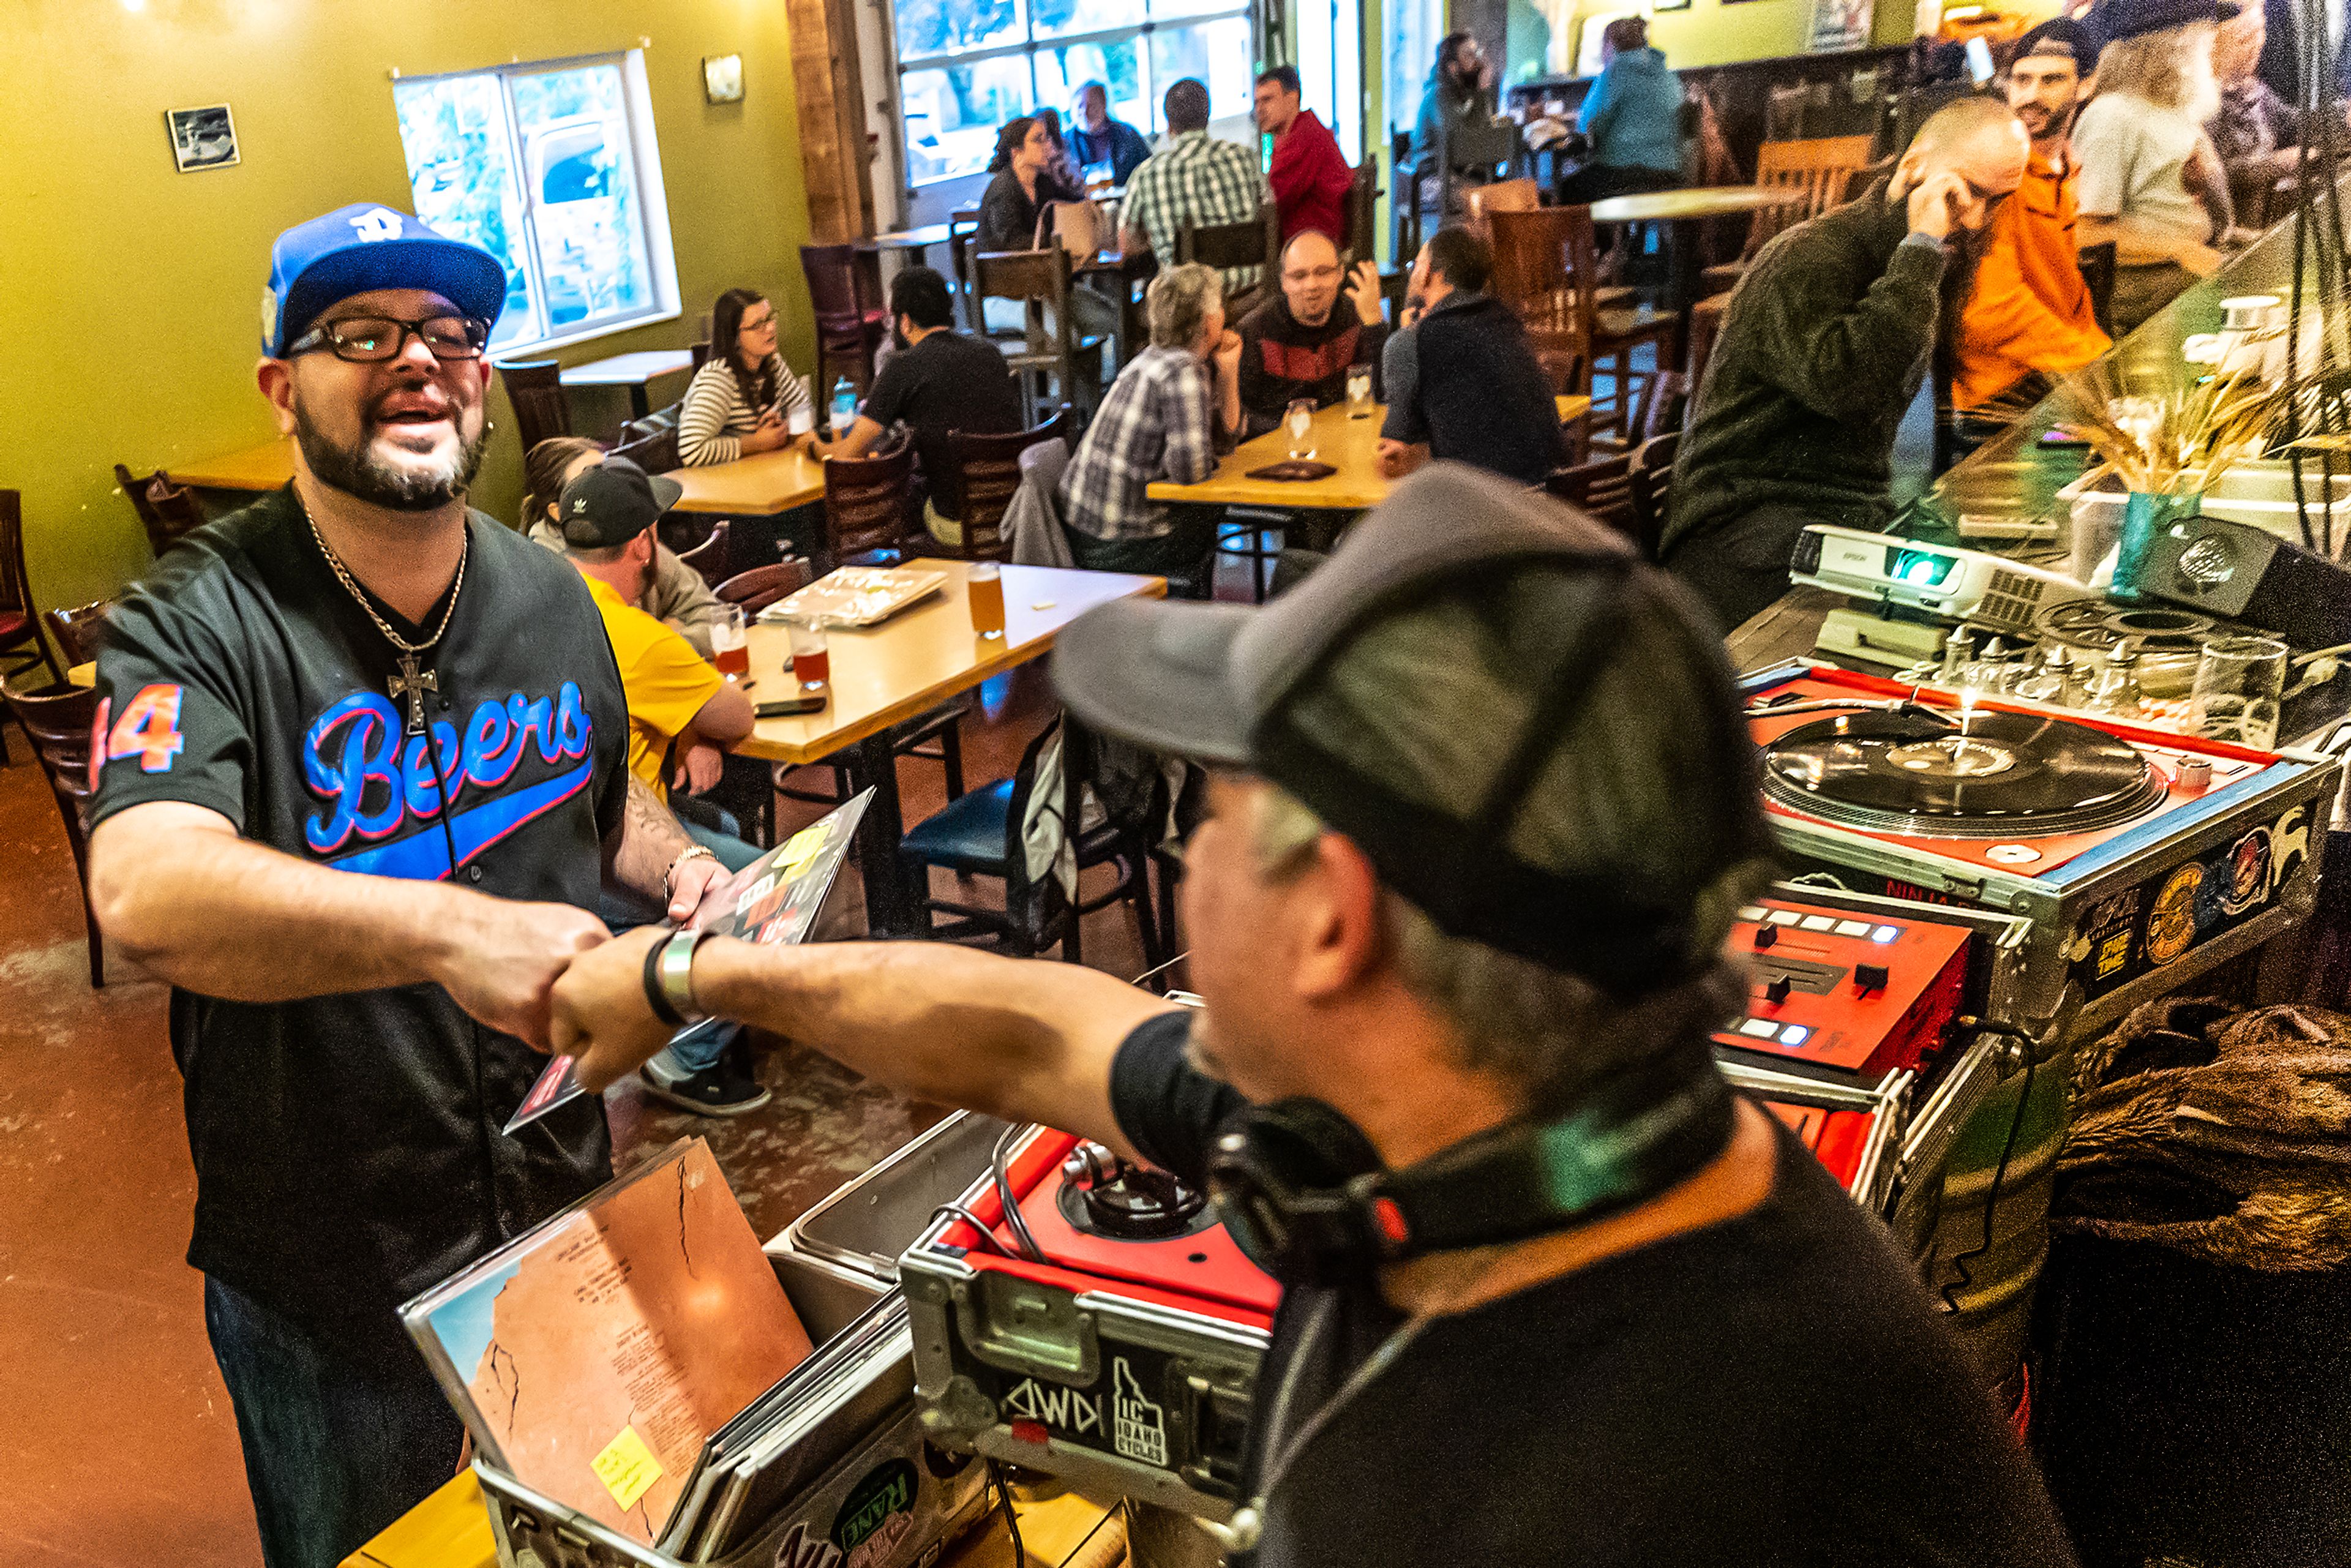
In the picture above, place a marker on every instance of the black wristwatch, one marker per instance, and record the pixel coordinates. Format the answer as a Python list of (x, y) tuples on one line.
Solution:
[(669, 978)]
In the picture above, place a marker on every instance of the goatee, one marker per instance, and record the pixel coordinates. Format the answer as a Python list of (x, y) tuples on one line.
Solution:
[(356, 471)]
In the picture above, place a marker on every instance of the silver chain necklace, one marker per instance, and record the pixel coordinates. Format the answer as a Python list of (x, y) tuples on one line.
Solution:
[(409, 682)]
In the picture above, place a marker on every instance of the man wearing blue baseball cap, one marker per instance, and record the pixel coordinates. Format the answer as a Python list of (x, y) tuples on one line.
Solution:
[(360, 826)]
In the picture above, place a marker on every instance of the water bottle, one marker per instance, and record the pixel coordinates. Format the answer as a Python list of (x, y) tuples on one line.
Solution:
[(845, 406)]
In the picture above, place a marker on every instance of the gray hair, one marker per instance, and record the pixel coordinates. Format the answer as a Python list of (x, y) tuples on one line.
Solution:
[(1178, 303), (1606, 801)]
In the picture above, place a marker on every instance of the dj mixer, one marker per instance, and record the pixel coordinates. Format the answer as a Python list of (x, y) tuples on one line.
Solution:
[(2141, 856)]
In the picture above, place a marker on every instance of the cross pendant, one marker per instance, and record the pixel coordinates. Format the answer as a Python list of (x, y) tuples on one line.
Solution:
[(412, 683)]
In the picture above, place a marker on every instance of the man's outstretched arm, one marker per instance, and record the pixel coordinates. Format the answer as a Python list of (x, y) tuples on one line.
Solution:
[(1023, 1039)]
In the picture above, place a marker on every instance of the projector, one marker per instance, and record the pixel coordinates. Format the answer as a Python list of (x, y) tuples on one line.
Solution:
[(1957, 584)]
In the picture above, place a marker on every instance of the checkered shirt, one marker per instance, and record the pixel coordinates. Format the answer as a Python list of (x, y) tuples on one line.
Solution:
[(1158, 422), (1197, 180)]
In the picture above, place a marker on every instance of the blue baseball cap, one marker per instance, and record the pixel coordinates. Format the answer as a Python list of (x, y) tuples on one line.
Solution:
[(363, 246)]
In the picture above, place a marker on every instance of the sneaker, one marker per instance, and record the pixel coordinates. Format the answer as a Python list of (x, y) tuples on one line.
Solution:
[(713, 1091)]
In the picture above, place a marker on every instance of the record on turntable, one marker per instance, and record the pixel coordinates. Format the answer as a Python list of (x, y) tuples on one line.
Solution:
[(2001, 775)]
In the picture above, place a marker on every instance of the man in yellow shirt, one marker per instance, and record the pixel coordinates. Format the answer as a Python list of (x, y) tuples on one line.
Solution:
[(678, 706)]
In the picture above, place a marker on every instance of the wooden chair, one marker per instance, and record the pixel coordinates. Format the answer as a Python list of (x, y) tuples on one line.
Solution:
[(1821, 170), (1359, 215), (710, 558), (699, 353), (2098, 264), (763, 585), (1652, 477), (1253, 241), (981, 836), (535, 387), (1665, 406), (865, 504), (1050, 346), (963, 232), (986, 473), (59, 718), (168, 512), (1503, 196), (1601, 488), (1545, 270), (1492, 149), (1705, 327), (650, 445), (78, 633), (846, 292), (21, 647)]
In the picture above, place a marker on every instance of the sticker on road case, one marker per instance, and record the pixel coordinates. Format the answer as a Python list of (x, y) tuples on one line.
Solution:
[(1123, 1412)]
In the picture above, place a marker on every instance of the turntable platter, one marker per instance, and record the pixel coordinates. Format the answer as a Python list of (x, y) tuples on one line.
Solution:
[(2007, 774)]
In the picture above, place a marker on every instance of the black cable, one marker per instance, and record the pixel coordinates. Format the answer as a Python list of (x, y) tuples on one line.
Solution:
[(978, 1224), (1014, 1220), (1011, 1519), (2007, 1149)]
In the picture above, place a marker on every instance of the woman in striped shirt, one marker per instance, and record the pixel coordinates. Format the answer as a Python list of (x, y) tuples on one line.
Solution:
[(743, 399)]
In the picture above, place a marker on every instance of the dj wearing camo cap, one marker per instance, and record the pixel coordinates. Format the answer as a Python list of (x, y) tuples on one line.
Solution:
[(1481, 811)]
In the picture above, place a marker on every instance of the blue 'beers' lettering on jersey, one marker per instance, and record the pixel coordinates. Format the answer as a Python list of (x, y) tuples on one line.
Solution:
[(374, 778)]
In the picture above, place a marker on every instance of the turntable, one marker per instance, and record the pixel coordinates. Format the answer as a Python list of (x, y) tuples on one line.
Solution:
[(2142, 857)]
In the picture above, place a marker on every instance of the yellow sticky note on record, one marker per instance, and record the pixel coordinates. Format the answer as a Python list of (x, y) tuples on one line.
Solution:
[(627, 1467), (801, 848)]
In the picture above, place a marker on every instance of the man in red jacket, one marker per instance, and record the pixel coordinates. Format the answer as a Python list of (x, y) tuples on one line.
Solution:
[(1309, 174)]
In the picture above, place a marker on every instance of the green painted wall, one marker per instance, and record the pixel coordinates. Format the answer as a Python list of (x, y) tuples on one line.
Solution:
[(130, 294)]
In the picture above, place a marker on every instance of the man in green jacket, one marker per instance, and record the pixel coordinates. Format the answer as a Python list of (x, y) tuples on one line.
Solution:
[(1822, 351)]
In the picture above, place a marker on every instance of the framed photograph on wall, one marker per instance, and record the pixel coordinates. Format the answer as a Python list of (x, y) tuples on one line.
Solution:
[(1840, 24), (1671, 5), (202, 138), (722, 79)]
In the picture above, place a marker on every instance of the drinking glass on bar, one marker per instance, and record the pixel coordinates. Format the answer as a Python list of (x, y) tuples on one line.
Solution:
[(1359, 391), (2239, 682), (984, 587), (730, 647), (1301, 421), (812, 658)]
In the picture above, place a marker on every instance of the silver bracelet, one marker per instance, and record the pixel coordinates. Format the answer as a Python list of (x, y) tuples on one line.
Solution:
[(674, 972), (669, 877)]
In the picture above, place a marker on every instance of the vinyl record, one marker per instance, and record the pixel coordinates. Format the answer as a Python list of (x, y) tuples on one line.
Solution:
[(2008, 775)]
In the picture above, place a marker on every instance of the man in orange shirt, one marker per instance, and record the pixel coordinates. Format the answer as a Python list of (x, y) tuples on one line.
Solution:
[(2028, 315)]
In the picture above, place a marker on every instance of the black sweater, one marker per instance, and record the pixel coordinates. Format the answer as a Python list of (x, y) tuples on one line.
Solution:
[(1823, 347)]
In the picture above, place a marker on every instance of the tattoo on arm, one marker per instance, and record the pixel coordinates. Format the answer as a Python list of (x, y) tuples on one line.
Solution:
[(650, 841)]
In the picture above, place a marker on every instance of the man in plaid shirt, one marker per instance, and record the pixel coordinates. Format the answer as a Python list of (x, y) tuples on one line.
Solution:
[(1193, 179), (1173, 409)]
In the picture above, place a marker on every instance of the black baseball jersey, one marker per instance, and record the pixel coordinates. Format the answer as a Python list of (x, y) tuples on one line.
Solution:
[(347, 1147)]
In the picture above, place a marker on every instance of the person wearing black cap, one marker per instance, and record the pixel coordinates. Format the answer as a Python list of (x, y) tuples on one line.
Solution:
[(360, 825), (2151, 181), (2027, 314), (1482, 807)]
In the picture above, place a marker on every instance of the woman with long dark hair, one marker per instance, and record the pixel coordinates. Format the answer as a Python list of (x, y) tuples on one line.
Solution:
[(1007, 213), (674, 594), (743, 398)]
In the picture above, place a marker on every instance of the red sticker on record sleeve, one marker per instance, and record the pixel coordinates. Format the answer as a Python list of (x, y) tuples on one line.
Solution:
[(149, 729)]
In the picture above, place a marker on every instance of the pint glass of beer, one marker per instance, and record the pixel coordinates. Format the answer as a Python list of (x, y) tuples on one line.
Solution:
[(985, 588)]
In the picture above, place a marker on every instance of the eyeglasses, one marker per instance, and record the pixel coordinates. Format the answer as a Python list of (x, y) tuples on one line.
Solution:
[(371, 340), (759, 325)]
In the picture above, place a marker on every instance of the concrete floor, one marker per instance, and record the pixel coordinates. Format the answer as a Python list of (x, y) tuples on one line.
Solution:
[(119, 1433)]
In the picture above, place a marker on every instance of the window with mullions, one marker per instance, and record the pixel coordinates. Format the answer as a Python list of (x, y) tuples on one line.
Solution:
[(552, 168), (966, 66)]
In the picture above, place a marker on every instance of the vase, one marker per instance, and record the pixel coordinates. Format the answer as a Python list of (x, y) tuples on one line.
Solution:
[(2145, 517)]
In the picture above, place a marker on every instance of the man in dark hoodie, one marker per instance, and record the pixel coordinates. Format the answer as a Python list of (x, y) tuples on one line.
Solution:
[(1462, 379), (1823, 349)]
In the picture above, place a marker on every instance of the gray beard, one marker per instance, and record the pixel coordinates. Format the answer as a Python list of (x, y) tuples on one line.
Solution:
[(356, 472)]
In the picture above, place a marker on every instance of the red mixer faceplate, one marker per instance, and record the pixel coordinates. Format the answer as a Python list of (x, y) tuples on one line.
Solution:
[(1205, 1271), (1835, 1010), (2048, 851), (1838, 1139)]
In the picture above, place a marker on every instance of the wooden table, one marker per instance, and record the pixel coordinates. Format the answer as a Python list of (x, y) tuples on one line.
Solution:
[(758, 485), (1682, 212), (918, 241), (264, 467), (919, 658), (1348, 444), (632, 371)]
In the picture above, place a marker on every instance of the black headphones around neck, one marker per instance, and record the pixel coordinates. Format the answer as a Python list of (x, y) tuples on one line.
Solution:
[(1306, 1197)]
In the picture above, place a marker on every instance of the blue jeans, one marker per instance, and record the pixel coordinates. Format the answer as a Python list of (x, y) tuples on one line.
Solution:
[(697, 1049), (334, 1450)]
